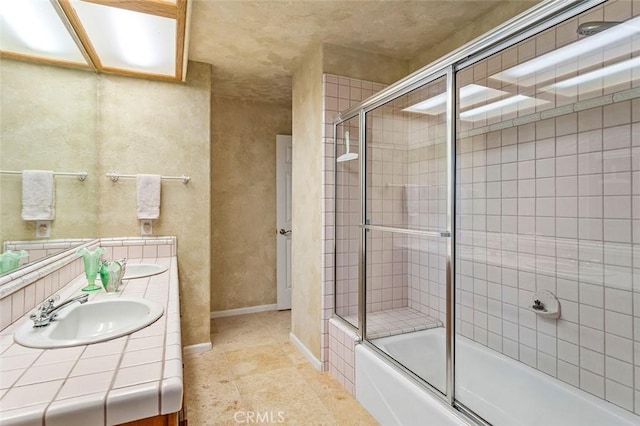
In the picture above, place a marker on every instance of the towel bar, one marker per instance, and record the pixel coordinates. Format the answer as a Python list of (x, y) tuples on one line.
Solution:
[(115, 176), (81, 175)]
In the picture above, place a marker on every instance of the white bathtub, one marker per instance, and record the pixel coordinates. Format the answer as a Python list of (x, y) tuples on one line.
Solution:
[(501, 390)]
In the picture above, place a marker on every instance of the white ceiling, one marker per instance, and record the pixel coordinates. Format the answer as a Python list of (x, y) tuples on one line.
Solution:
[(255, 46)]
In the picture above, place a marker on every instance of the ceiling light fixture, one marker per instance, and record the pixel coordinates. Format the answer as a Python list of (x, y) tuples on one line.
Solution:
[(24, 14), (33, 27), (133, 36), (130, 40)]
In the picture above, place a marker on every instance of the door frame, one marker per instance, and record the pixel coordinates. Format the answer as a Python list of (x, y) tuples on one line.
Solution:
[(283, 242)]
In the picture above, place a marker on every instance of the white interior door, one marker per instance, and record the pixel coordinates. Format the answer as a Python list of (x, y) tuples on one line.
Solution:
[(283, 190)]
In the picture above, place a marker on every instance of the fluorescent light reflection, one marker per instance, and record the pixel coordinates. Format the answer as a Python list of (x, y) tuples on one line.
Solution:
[(504, 106), (36, 24), (596, 80), (581, 51), (470, 94)]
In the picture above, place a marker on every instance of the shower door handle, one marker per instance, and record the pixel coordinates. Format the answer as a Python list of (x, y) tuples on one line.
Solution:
[(283, 232)]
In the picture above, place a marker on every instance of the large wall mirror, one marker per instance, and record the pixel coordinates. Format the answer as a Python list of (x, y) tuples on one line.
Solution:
[(48, 118)]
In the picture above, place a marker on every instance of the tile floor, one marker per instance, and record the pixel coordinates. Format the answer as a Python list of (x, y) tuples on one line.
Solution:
[(395, 321), (254, 375)]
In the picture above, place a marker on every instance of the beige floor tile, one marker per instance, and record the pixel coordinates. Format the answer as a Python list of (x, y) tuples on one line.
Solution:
[(253, 370), (237, 322), (346, 410), (307, 412), (285, 384), (257, 359), (230, 340), (321, 383), (294, 354)]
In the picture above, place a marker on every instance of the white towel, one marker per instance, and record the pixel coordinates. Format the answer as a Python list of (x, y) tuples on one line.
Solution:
[(38, 195), (148, 190)]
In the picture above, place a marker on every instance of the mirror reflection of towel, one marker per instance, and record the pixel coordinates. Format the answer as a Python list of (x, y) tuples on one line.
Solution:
[(38, 195), (148, 194)]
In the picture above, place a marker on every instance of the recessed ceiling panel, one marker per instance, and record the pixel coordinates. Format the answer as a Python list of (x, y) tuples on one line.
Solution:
[(33, 27), (130, 40)]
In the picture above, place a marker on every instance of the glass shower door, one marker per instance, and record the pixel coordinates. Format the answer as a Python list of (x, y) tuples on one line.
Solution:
[(547, 237), (347, 231), (406, 229)]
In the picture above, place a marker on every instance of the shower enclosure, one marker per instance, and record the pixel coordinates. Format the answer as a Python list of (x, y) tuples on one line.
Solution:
[(494, 207)]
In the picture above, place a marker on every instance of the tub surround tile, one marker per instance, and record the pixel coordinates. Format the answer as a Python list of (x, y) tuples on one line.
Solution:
[(341, 93), (342, 342)]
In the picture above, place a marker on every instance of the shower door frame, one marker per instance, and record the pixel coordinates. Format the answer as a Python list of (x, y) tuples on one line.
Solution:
[(449, 74), (537, 19)]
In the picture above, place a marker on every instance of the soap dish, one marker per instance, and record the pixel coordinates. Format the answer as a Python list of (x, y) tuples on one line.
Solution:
[(545, 304)]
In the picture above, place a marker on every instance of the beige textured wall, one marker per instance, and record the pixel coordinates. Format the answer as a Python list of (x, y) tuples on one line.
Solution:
[(363, 65), (243, 200), (164, 128), (307, 173), (306, 202), (487, 22), (48, 121)]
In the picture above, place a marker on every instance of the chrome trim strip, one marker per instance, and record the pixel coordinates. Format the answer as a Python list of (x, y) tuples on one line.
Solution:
[(471, 414), (406, 231), (362, 249), (529, 21), (335, 218), (451, 215)]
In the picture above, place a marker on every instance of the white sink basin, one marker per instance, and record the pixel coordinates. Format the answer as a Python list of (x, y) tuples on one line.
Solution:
[(141, 270), (91, 322)]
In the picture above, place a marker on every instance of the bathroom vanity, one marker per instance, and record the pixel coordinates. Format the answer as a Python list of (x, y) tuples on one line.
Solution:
[(135, 379)]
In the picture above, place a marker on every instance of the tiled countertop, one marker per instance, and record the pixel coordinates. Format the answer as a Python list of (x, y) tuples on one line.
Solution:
[(117, 381)]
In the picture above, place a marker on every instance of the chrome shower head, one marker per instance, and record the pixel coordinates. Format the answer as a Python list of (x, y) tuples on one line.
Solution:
[(347, 156), (594, 27)]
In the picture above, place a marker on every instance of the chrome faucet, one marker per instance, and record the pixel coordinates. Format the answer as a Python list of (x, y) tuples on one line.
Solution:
[(47, 312)]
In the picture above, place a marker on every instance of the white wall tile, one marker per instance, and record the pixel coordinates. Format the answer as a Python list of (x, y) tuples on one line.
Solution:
[(566, 166), (566, 186), (619, 394)]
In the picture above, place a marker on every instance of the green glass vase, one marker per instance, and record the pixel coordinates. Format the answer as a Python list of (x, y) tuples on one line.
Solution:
[(91, 261)]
